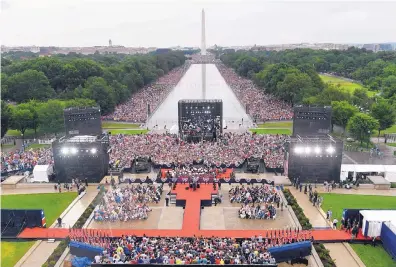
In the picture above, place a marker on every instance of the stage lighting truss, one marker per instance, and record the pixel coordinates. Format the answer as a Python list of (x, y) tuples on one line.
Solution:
[(314, 150)]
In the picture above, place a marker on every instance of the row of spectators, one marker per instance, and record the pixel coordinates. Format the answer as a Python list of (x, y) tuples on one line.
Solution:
[(135, 109), (231, 150), (254, 194), (259, 105), (194, 250), (127, 203), (22, 160)]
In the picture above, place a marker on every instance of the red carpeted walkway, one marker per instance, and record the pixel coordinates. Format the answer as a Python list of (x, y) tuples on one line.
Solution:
[(191, 223)]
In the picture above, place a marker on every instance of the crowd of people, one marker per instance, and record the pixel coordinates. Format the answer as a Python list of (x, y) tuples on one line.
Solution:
[(230, 150), (192, 171), (23, 160), (194, 250), (127, 203), (191, 250), (259, 105), (135, 109), (262, 212)]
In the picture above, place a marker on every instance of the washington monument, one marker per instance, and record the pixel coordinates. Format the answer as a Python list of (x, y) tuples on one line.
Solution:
[(203, 39)]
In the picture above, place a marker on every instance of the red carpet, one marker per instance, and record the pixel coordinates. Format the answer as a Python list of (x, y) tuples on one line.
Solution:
[(190, 226)]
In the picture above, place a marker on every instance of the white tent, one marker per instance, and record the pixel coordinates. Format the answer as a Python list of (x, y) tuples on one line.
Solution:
[(373, 219), (390, 173), (174, 129), (41, 173), (389, 170)]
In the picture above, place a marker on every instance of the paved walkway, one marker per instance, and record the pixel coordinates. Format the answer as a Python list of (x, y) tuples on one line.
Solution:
[(342, 253), (41, 250)]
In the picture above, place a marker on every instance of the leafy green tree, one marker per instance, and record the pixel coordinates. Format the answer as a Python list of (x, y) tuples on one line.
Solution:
[(97, 89), (27, 85), (32, 106), (385, 113), (361, 125), (342, 112), (6, 116), (291, 89), (21, 119), (51, 116), (4, 86)]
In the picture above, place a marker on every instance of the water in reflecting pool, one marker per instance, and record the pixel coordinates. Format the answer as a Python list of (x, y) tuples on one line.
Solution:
[(190, 87)]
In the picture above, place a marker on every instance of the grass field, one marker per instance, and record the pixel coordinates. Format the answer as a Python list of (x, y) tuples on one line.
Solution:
[(371, 256), (271, 131), (128, 131), (11, 252), (53, 205), (389, 130), (28, 133), (345, 85), (391, 144), (37, 146), (277, 124), (116, 125)]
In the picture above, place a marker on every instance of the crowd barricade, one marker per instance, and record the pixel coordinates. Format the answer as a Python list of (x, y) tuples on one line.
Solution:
[(203, 180), (170, 265), (80, 249), (291, 251)]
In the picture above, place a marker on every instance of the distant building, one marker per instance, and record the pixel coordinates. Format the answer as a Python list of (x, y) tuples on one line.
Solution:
[(110, 42)]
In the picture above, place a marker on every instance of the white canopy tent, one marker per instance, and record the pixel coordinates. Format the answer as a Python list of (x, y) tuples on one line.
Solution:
[(373, 219), (390, 173), (41, 173), (174, 129), (389, 170)]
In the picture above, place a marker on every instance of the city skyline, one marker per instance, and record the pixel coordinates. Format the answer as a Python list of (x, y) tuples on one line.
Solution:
[(173, 23)]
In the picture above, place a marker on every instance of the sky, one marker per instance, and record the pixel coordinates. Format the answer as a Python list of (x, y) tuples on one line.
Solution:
[(165, 23)]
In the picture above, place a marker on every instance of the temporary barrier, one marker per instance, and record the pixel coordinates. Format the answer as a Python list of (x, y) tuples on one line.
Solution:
[(291, 251), (14, 221), (80, 249), (388, 237)]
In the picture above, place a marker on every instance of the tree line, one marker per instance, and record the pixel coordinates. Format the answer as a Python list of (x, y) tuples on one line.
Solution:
[(31, 83), (293, 76)]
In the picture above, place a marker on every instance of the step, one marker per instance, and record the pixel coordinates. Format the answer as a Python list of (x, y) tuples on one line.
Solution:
[(51, 240)]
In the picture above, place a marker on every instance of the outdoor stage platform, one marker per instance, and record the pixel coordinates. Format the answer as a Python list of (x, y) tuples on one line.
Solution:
[(193, 202)]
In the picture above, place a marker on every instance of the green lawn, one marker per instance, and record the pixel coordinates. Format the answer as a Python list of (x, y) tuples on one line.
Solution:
[(116, 125), (277, 124), (128, 132), (272, 131), (345, 85), (53, 205), (371, 256), (28, 133), (37, 146), (391, 144), (11, 252)]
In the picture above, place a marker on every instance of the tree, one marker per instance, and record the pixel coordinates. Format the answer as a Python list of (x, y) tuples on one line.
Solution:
[(27, 85), (51, 116), (32, 106), (342, 112), (292, 88), (21, 119), (384, 113), (5, 118), (97, 89), (361, 125)]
